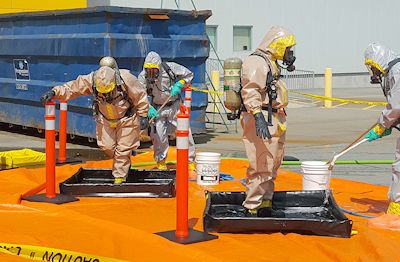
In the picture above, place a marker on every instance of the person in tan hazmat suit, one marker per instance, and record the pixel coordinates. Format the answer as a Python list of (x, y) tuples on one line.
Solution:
[(264, 123), (120, 108)]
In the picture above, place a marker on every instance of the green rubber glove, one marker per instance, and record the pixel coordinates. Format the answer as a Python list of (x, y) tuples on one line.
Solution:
[(387, 132), (377, 132), (176, 88), (152, 112)]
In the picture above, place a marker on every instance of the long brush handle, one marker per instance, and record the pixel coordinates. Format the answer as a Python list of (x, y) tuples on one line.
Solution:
[(349, 147), (159, 109), (332, 162)]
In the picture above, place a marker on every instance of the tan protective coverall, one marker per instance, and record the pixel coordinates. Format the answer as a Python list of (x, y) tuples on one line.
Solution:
[(265, 156), (118, 141)]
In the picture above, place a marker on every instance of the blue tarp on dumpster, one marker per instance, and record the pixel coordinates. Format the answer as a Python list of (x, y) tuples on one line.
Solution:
[(43, 49)]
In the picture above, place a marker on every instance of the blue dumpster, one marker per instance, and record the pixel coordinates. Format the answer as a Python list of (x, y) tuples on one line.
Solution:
[(43, 49)]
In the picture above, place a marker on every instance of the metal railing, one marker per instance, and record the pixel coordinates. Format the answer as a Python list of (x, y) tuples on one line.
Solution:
[(298, 79), (216, 114), (215, 64)]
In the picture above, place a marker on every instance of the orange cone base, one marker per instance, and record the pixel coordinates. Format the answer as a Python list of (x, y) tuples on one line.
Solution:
[(386, 221), (58, 199), (194, 237)]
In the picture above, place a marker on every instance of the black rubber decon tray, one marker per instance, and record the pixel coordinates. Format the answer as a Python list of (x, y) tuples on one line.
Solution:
[(139, 183), (302, 212)]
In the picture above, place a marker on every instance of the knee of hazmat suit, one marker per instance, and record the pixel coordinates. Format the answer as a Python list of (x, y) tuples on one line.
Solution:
[(262, 88)]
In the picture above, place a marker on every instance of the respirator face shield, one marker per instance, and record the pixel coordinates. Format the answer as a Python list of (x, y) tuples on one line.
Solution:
[(109, 97), (375, 73), (289, 58), (106, 91), (152, 73)]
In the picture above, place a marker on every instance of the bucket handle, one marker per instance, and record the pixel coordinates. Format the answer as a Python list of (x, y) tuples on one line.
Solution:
[(321, 184)]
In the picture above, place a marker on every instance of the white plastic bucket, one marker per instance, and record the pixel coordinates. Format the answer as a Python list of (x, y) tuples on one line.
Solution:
[(316, 175), (207, 168)]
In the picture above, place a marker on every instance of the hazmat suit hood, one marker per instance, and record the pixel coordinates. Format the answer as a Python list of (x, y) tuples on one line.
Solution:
[(105, 80), (152, 60), (112, 63), (276, 41), (379, 56)]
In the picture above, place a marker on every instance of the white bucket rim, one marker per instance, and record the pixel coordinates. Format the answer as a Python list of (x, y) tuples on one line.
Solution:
[(208, 154), (314, 164)]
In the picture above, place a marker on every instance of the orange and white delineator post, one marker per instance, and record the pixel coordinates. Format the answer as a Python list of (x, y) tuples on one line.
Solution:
[(188, 97), (182, 234), (62, 139), (50, 196), (50, 135), (182, 173)]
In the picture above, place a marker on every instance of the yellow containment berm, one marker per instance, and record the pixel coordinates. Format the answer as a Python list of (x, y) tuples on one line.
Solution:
[(21, 158)]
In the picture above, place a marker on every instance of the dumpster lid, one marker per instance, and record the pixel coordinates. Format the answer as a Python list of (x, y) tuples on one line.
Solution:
[(202, 14)]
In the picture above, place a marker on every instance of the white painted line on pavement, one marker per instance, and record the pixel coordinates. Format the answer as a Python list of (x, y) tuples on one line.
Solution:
[(342, 104), (368, 107)]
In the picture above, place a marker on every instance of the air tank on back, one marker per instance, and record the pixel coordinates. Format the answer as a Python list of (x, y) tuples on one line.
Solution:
[(232, 73)]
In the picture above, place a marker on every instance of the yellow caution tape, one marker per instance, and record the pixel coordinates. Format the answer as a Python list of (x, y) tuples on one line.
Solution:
[(206, 91), (51, 254), (308, 95), (340, 99)]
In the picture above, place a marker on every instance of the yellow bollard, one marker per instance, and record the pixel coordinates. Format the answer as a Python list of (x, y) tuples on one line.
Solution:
[(215, 82), (328, 87)]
